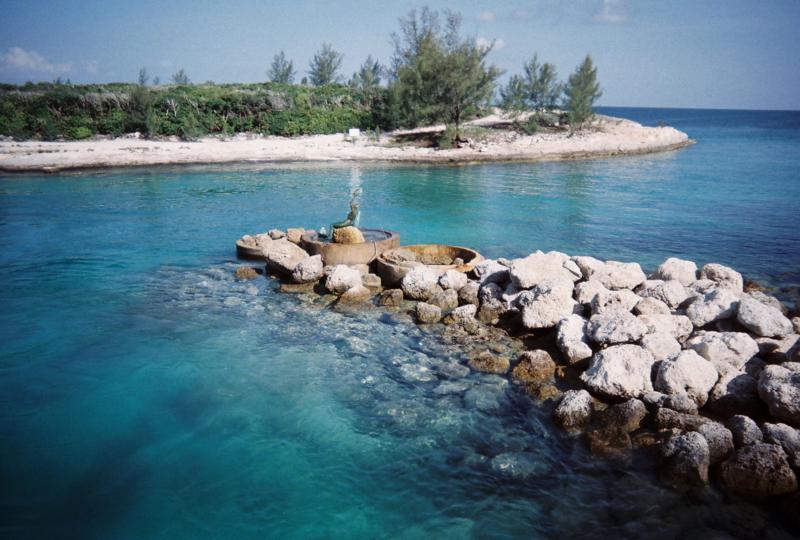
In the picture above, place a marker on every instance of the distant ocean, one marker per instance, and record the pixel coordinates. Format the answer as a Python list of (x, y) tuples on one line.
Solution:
[(147, 394)]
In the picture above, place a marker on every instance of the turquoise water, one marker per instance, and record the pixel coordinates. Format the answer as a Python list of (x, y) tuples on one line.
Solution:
[(147, 394)]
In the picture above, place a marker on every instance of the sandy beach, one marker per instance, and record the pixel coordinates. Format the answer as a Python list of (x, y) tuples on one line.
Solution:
[(608, 136)]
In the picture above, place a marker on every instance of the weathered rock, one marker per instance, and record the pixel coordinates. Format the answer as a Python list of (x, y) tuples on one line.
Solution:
[(488, 362), (735, 393), (490, 312), (544, 392), (282, 256), (445, 299), (744, 429), (575, 409), (719, 439), (669, 419), (509, 297), (622, 299), (687, 373), (615, 327), (651, 306), (491, 271), (787, 438), (680, 270), (780, 350), (671, 292), (308, 270), (723, 276), (362, 268), (796, 324), (571, 339), (758, 470), (453, 279), (762, 319), (534, 367), (520, 465), (686, 460), (347, 235), (611, 432), (766, 299), (341, 278), (661, 345), (724, 349), (371, 281), (779, 388), (468, 294), (247, 272), (700, 287), (654, 400), (585, 291), (295, 234), (490, 292), (681, 403), (678, 326), (589, 266), (297, 288), (462, 315), (420, 283), (621, 372), (619, 275), (391, 298), (718, 304), (276, 234), (546, 304), (540, 267), (427, 313), (355, 295)]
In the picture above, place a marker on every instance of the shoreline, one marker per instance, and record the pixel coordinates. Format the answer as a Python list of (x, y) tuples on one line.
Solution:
[(607, 137)]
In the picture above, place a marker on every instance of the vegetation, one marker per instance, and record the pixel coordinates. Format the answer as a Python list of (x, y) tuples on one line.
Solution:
[(282, 70), (180, 77), (324, 67), (582, 91)]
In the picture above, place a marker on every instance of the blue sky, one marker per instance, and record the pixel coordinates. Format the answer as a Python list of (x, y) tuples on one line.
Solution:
[(683, 53)]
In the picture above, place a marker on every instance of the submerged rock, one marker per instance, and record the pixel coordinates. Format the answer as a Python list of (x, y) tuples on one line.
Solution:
[(534, 367), (758, 470), (247, 272), (613, 426), (575, 409), (488, 362), (621, 372)]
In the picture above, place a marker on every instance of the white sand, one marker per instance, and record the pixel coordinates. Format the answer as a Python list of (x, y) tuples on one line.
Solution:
[(608, 137)]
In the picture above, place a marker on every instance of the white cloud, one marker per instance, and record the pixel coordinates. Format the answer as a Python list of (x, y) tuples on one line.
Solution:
[(612, 12), (486, 43), (17, 58), (487, 16)]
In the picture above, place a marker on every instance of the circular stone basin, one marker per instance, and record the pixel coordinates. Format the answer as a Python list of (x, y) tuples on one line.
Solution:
[(376, 241), (394, 264)]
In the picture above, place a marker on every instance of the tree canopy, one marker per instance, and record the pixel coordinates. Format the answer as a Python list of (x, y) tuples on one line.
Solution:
[(582, 91), (282, 70), (324, 67)]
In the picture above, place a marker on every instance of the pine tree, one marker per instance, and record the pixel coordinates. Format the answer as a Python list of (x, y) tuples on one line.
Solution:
[(513, 96), (143, 78), (180, 77), (324, 67), (541, 81), (282, 70), (582, 91), (368, 77)]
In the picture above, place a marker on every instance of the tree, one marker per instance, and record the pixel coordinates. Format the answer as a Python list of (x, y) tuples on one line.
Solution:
[(581, 93), (156, 81), (368, 77), (542, 84), (143, 78), (282, 70), (324, 67), (514, 95), (440, 76), (180, 77)]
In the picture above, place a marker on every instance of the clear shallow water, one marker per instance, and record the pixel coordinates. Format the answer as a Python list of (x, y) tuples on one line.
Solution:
[(147, 394)]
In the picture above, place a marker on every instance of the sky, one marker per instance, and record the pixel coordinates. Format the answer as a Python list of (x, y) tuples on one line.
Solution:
[(679, 53)]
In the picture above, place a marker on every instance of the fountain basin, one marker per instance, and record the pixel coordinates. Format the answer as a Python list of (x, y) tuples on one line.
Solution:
[(376, 242), (394, 264)]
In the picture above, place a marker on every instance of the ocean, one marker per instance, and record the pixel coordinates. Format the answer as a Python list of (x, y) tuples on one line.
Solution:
[(148, 394)]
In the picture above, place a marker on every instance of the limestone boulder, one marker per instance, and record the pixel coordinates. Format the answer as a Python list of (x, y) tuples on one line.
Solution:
[(341, 278), (491, 271), (745, 431), (787, 438), (453, 279), (420, 283), (488, 362), (619, 275), (462, 315), (762, 319), (428, 313), (623, 299), (678, 326), (780, 350), (308, 270), (718, 304), (724, 349), (245, 273), (575, 409), (779, 388), (736, 392), (356, 295), (670, 292), (723, 276), (572, 339), (585, 291), (620, 372), (680, 403), (347, 235), (686, 458), (719, 439), (391, 298), (685, 272), (468, 294), (670, 419), (661, 345), (611, 431), (540, 267), (651, 306), (445, 299), (687, 373), (282, 256), (766, 299), (535, 366), (759, 470), (546, 304), (295, 234), (589, 266), (276, 234), (615, 327)]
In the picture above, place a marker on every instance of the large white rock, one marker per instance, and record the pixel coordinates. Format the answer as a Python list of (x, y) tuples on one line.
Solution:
[(678, 269), (619, 275), (342, 278), (420, 283), (762, 319), (585, 291), (546, 304), (678, 326), (308, 270), (715, 305), (616, 327), (661, 345), (575, 409), (671, 292), (538, 267), (687, 373), (491, 271), (283, 256), (623, 299), (724, 349), (779, 388), (621, 371), (735, 393), (571, 339), (589, 266), (723, 276), (453, 279), (651, 306)]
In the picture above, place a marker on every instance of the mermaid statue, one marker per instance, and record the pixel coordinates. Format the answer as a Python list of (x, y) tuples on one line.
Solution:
[(352, 217)]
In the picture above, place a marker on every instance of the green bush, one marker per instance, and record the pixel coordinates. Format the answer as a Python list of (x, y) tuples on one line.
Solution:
[(447, 139)]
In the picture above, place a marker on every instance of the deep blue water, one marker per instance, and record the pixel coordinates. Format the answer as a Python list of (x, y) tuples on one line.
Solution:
[(147, 394)]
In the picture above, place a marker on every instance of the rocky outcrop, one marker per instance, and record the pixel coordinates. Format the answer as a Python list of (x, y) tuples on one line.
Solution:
[(620, 372), (779, 388), (420, 283), (687, 373), (308, 270), (575, 409), (539, 267), (685, 272), (758, 470), (761, 319)]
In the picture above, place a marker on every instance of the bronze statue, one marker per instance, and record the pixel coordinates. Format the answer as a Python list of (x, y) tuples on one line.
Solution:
[(352, 218)]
